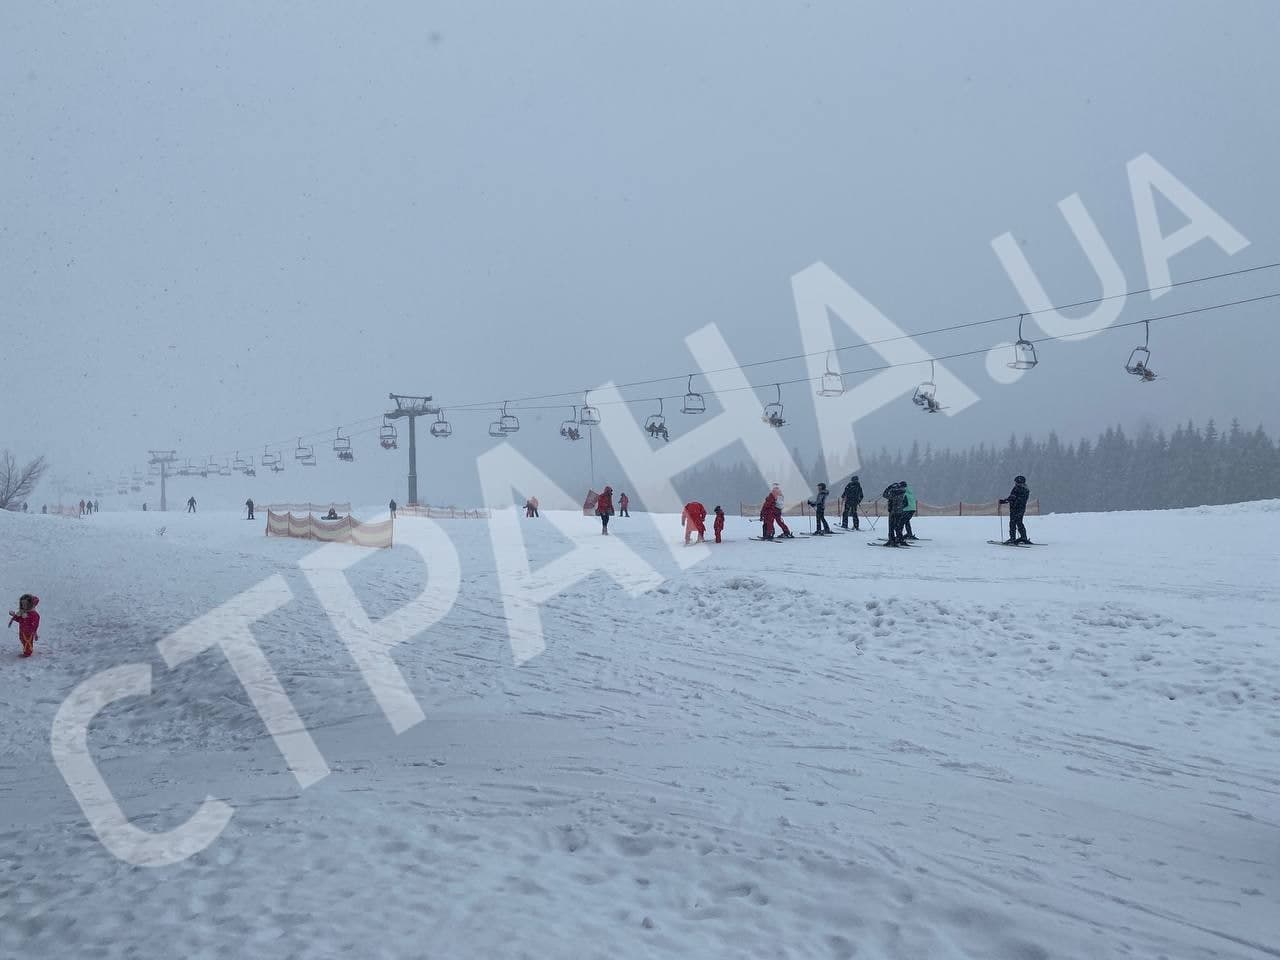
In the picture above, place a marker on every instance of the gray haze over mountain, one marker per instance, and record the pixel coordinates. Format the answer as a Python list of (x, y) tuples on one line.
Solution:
[(234, 223)]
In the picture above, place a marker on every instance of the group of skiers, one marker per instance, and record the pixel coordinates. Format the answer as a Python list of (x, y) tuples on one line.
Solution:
[(694, 518)]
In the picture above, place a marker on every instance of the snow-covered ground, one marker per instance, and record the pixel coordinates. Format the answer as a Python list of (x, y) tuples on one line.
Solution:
[(806, 749)]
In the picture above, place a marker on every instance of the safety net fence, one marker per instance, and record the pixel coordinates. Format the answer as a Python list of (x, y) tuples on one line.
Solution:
[(441, 513), (342, 508), (344, 530), (878, 508)]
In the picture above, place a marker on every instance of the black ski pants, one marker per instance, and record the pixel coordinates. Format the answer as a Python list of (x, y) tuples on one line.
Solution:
[(850, 510), (1017, 530), (820, 520)]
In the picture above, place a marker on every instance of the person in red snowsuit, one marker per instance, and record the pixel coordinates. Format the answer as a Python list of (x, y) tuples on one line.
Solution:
[(604, 509), (771, 513), (694, 518), (28, 622), (718, 526), (623, 502)]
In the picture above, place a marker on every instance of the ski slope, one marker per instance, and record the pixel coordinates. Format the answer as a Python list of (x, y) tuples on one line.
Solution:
[(807, 749)]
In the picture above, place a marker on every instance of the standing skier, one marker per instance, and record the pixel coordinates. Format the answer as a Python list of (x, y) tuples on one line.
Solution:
[(896, 503), (908, 509), (852, 499), (392, 507), (1017, 501), (248, 505), (604, 509), (28, 622), (623, 502), (694, 518), (771, 513), (819, 504), (191, 504), (718, 526)]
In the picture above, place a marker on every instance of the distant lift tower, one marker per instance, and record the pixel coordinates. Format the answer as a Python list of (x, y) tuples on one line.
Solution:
[(162, 459), (412, 408)]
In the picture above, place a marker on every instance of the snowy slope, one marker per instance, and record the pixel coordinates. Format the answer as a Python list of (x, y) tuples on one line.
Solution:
[(807, 749)]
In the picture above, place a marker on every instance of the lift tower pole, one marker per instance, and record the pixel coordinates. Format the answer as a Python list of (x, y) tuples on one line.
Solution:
[(411, 408), (162, 459)]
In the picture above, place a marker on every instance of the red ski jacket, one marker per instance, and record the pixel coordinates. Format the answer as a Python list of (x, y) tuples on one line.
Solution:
[(604, 503), (29, 622)]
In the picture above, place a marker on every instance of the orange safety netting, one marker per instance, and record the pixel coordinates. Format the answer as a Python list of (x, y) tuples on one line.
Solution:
[(346, 530)]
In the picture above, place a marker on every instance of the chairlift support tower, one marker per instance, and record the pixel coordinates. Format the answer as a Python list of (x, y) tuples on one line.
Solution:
[(163, 459), (411, 408)]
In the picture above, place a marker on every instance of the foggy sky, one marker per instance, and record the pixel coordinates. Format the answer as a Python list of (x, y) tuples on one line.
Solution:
[(234, 223)]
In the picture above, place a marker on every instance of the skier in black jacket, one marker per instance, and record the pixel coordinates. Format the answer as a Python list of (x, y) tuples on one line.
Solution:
[(1017, 501), (896, 498), (819, 504), (852, 497)]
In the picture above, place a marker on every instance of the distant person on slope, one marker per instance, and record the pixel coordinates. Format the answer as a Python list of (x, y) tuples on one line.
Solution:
[(694, 518), (604, 509), (534, 502), (623, 502), (1017, 501), (332, 515), (392, 507), (908, 509), (852, 499), (248, 505), (819, 504), (28, 622), (718, 526), (191, 504)]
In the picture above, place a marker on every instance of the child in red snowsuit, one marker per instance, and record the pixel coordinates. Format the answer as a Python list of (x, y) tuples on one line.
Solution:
[(718, 526), (28, 622), (694, 517)]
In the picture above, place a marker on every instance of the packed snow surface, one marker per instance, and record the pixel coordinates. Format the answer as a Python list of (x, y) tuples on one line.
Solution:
[(801, 749)]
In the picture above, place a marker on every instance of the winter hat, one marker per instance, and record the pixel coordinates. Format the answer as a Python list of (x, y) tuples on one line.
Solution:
[(822, 486), (1019, 479), (717, 510)]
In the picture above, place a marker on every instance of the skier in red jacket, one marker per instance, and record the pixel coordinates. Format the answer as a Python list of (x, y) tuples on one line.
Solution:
[(771, 513), (694, 518), (718, 526), (28, 622), (623, 502), (604, 509)]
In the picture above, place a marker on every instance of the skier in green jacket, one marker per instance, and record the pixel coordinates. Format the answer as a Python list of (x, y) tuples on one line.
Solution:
[(908, 509)]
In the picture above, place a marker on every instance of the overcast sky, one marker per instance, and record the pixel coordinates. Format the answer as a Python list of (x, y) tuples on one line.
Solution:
[(233, 223)]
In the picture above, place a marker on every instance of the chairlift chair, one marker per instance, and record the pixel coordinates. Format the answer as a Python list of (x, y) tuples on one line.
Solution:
[(387, 435), (926, 394), (342, 447), (247, 468), (309, 460), (588, 416), (441, 428), (656, 424), (270, 460), (693, 402), (238, 463), (304, 451), (225, 469), (772, 413), (832, 382), (569, 428), (509, 422), (496, 431), (1140, 359), (1024, 351)]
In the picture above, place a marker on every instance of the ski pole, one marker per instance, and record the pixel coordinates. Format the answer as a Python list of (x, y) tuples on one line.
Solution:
[(1000, 519)]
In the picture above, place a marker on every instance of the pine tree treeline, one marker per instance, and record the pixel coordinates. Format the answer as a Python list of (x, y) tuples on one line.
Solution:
[(1150, 470)]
